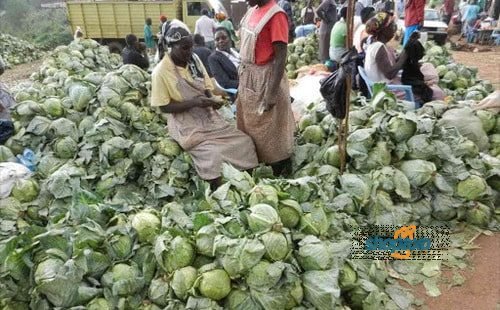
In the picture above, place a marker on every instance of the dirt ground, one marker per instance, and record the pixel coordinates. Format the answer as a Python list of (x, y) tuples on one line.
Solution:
[(481, 289), (488, 64), (20, 73)]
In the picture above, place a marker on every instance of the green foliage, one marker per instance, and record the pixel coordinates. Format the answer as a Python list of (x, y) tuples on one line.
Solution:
[(25, 19)]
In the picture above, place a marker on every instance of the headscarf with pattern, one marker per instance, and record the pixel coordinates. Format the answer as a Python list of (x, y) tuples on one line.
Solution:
[(175, 35), (378, 23)]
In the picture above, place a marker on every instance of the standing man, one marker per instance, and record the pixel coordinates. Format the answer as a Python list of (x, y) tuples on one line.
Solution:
[(414, 17), (470, 16), (263, 107), (205, 26), (448, 9), (308, 19), (327, 12), (307, 14), (148, 36)]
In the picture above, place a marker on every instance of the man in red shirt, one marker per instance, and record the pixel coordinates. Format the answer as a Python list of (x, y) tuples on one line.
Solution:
[(448, 8), (414, 17), (263, 108)]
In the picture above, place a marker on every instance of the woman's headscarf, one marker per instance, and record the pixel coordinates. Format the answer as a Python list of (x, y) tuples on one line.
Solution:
[(175, 35), (378, 23), (220, 16)]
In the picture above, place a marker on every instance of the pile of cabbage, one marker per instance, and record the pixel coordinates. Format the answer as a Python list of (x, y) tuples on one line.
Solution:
[(458, 81), (115, 216), (302, 52), (436, 164), (15, 51)]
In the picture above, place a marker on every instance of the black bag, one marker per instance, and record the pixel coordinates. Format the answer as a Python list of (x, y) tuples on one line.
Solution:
[(6, 130), (411, 70), (333, 88), (333, 91)]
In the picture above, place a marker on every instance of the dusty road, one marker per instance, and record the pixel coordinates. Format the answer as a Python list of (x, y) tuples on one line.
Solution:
[(481, 289), (20, 73), (488, 64)]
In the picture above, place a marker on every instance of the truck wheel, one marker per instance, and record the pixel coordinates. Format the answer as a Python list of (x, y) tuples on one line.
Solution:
[(115, 47)]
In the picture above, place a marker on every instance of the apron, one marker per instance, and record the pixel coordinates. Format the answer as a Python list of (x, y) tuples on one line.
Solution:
[(272, 131), (207, 137)]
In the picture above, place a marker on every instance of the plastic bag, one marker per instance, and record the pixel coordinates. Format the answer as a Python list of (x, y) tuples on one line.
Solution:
[(333, 88), (469, 125), (9, 174), (27, 159), (6, 130)]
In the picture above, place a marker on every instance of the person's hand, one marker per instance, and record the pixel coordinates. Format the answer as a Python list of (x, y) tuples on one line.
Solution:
[(269, 102), (205, 102)]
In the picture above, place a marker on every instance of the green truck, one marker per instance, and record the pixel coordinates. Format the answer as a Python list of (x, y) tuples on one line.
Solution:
[(111, 20)]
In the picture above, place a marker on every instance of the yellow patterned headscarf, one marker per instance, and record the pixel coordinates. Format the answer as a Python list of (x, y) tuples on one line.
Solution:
[(378, 23)]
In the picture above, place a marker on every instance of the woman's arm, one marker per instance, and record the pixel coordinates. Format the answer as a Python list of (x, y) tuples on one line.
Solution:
[(280, 51), (183, 106), (384, 65), (321, 10), (220, 74)]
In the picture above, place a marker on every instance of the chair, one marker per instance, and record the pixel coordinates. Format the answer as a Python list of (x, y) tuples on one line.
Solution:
[(393, 87)]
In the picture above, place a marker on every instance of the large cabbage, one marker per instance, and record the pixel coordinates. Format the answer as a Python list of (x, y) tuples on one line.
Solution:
[(418, 171), (313, 134), (65, 148), (401, 129), (263, 194), (314, 254), (215, 284), (81, 96), (262, 218), (183, 281), (147, 225), (276, 244), (472, 188)]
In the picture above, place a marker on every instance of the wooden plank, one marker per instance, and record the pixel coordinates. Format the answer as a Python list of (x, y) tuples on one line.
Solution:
[(114, 19)]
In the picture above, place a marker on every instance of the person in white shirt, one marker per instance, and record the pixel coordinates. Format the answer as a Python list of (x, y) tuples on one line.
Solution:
[(360, 32), (206, 26)]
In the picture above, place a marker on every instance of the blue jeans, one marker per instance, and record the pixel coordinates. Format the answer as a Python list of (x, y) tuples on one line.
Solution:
[(408, 31)]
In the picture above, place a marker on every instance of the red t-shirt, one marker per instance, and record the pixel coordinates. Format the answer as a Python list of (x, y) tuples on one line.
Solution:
[(449, 6), (276, 30), (414, 12)]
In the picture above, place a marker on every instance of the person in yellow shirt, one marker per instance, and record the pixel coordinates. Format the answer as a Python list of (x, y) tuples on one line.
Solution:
[(182, 89)]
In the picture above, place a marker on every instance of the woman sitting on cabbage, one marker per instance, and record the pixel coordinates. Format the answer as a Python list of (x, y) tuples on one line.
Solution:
[(182, 89)]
